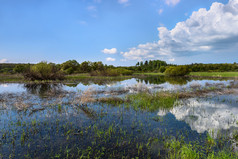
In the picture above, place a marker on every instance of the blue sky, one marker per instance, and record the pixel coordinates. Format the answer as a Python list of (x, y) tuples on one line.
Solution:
[(119, 32)]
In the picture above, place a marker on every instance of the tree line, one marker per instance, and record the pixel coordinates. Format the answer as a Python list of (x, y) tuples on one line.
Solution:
[(100, 69), (52, 71), (68, 67)]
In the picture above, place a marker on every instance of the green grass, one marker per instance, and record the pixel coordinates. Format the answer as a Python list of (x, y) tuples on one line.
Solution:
[(11, 78), (152, 102), (150, 74), (214, 74), (78, 76), (177, 149)]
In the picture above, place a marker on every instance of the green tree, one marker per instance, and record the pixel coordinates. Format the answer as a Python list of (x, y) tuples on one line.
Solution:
[(70, 66), (85, 67)]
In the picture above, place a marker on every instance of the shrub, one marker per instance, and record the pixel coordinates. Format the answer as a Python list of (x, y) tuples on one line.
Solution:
[(111, 72), (43, 71), (177, 71), (123, 71), (21, 68), (162, 69), (69, 70)]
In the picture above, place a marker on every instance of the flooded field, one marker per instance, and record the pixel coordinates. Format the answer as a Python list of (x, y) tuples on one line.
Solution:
[(146, 117)]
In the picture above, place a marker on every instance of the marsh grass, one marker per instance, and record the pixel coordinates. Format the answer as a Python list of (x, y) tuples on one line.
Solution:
[(111, 100), (152, 102), (178, 149)]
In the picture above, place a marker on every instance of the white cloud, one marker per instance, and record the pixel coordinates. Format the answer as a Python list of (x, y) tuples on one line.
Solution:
[(123, 1), (110, 51), (110, 59), (160, 11), (205, 31), (172, 2), (3, 60)]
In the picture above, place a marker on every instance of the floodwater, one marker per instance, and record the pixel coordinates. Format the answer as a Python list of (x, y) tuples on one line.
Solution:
[(64, 120)]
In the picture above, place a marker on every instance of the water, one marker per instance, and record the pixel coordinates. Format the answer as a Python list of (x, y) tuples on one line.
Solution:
[(50, 120)]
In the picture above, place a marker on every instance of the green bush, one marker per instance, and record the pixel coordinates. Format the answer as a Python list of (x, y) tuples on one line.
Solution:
[(111, 72), (162, 69), (69, 70), (123, 71), (43, 71), (177, 71), (21, 68)]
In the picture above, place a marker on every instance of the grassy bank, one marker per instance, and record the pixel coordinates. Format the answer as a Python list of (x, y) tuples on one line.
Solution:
[(150, 74), (197, 74), (214, 74), (11, 78)]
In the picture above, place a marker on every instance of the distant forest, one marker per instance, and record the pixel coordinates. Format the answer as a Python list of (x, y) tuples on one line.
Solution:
[(72, 67)]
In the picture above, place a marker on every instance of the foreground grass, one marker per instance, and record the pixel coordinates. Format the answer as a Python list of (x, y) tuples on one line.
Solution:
[(178, 149), (215, 74)]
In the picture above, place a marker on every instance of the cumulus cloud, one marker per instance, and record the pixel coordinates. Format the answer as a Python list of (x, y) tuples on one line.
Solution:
[(172, 2), (205, 31), (110, 51), (110, 59), (3, 60)]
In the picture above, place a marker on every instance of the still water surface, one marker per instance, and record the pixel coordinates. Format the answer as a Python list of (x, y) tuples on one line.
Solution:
[(53, 125)]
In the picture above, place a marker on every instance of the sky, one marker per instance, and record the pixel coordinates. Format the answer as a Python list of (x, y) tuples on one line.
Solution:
[(119, 32)]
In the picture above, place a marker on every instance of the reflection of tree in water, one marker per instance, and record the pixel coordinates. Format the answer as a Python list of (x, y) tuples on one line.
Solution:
[(46, 89), (98, 81), (177, 80), (151, 79), (71, 84), (163, 79)]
